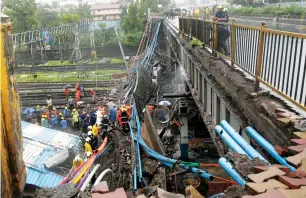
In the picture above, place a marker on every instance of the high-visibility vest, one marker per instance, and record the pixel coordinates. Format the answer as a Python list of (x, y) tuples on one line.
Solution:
[(76, 164), (87, 147)]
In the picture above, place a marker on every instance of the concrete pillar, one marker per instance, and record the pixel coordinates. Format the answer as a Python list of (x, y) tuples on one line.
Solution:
[(184, 139)]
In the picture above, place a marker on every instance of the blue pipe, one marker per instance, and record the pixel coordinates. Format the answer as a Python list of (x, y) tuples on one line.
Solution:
[(241, 142), (134, 162), (201, 173), (268, 147), (231, 171), (229, 141)]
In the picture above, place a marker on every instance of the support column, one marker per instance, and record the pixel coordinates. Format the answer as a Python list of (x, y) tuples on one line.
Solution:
[(184, 138)]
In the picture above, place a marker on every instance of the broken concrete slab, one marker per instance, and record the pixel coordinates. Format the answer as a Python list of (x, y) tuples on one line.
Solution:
[(117, 193), (260, 169), (164, 194), (298, 148), (299, 141), (271, 193), (63, 191), (263, 176), (293, 183), (262, 187), (191, 192), (296, 174), (300, 134), (101, 188), (303, 166), (294, 193), (297, 159), (285, 114)]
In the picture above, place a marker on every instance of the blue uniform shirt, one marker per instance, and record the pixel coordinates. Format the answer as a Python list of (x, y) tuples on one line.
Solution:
[(63, 124)]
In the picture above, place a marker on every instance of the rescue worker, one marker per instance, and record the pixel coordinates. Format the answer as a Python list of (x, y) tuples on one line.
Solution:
[(221, 15), (83, 116), (104, 127), (226, 17), (66, 112), (38, 114), (94, 139), (43, 120), (92, 94), (78, 161), (93, 118), (53, 122), (223, 35), (75, 112), (76, 88), (95, 130), (59, 118), (77, 96), (67, 93), (63, 124), (112, 114), (129, 110), (207, 13), (81, 124), (82, 90), (71, 103), (49, 102), (87, 146), (75, 119), (122, 117), (88, 155), (54, 112), (197, 12)]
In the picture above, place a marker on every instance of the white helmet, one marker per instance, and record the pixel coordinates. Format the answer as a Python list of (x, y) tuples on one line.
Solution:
[(89, 133), (87, 139), (89, 127), (88, 154), (77, 158)]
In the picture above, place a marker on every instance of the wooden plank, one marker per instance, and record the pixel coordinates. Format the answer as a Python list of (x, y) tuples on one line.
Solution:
[(294, 193), (262, 187), (297, 159), (293, 183), (263, 176)]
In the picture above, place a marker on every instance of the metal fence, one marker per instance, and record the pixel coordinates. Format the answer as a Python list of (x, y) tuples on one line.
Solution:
[(277, 59)]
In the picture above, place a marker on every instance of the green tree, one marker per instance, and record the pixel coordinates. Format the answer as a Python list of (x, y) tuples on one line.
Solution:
[(132, 22), (83, 11), (23, 14), (69, 18), (48, 18)]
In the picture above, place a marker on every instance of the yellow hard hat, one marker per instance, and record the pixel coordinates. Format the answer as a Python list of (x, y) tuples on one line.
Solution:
[(38, 106), (60, 114), (220, 6), (74, 110), (54, 108), (66, 108), (63, 118)]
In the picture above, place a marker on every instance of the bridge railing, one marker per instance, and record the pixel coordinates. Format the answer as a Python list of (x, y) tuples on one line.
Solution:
[(276, 59)]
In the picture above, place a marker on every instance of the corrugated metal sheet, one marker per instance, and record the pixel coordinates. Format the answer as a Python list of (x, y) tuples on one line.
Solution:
[(43, 180), (39, 145)]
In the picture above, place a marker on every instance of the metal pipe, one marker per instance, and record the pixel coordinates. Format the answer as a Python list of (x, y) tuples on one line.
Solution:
[(176, 95), (231, 171), (241, 142), (201, 173), (100, 177), (268, 147), (88, 179), (229, 141)]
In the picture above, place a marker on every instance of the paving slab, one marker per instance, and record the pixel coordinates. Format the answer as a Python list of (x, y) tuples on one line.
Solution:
[(293, 183), (282, 151), (296, 174), (298, 148), (303, 166), (260, 169), (300, 141), (273, 193), (293, 193), (300, 134), (262, 187), (101, 188), (270, 173), (297, 159)]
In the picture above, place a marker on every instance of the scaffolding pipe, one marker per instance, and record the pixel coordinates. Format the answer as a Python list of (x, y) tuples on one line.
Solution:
[(100, 177), (88, 179), (241, 142), (268, 147), (231, 171), (229, 141)]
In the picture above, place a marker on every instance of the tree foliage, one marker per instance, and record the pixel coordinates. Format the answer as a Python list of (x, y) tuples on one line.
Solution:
[(48, 18), (69, 18), (132, 22), (269, 11), (23, 14), (83, 10)]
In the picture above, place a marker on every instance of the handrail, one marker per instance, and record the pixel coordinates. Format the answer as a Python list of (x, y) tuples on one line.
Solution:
[(275, 58)]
